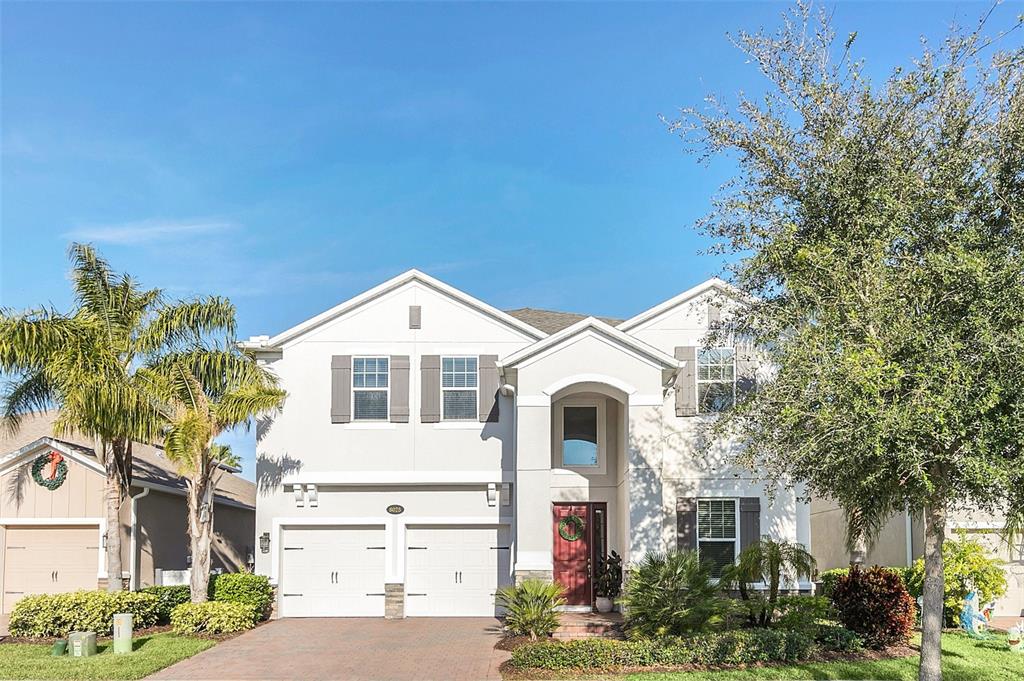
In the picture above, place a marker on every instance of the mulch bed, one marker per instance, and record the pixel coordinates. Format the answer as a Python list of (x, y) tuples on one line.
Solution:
[(510, 672)]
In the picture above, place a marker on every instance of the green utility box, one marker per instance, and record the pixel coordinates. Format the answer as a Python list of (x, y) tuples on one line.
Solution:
[(82, 643), (122, 633)]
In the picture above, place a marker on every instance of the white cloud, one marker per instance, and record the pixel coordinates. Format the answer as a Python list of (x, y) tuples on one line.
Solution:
[(147, 231)]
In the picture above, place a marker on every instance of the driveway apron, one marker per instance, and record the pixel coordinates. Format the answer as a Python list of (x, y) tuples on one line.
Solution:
[(420, 649)]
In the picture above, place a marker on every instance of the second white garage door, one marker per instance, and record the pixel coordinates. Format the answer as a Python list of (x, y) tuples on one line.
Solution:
[(332, 572), (455, 571)]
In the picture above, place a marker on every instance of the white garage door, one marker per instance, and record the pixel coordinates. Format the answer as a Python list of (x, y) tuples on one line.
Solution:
[(332, 572), (454, 571), (48, 560)]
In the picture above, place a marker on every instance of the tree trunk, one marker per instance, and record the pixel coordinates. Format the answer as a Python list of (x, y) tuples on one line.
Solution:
[(934, 593), (114, 491), (859, 554), (200, 530)]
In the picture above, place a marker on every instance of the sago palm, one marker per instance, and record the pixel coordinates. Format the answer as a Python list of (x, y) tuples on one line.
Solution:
[(204, 391), (85, 364)]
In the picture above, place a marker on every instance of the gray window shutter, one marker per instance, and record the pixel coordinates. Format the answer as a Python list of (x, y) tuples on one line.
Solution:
[(415, 316), (399, 389), (686, 523), (341, 388), (750, 521), (430, 388), (488, 385), (714, 315), (746, 368), (686, 381)]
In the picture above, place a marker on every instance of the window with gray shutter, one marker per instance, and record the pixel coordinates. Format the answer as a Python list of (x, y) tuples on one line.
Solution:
[(370, 388), (341, 388), (686, 386), (488, 389), (686, 523), (750, 521), (717, 532), (459, 388), (399, 411)]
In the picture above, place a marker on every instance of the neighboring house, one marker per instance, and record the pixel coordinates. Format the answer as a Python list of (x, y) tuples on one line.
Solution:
[(901, 542), (433, 448), (50, 540)]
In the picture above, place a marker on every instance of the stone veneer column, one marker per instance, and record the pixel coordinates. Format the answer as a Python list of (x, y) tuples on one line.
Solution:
[(394, 601)]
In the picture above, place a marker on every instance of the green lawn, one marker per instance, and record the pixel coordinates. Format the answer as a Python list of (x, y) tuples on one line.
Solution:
[(151, 653), (963, 659)]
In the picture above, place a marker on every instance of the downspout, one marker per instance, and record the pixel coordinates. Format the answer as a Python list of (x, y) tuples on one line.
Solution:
[(133, 562), (910, 538), (509, 390)]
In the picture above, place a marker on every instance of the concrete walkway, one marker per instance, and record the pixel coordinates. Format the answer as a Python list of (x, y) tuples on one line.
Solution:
[(415, 649)]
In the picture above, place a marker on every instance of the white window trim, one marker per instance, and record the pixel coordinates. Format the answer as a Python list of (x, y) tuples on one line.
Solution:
[(387, 390), (698, 380), (735, 540), (602, 458), (476, 389)]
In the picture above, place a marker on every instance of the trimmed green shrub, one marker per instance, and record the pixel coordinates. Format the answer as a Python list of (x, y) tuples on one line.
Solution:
[(727, 648), (243, 587), (167, 598), (966, 566), (213, 617), (875, 604), (802, 613), (51, 615), (530, 607), (838, 639), (673, 594)]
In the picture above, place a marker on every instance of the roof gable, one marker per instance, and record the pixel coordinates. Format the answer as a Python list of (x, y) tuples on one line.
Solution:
[(713, 284), (553, 321), (595, 326), (526, 330)]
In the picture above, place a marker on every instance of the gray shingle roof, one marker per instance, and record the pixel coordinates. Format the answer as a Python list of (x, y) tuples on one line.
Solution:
[(552, 321)]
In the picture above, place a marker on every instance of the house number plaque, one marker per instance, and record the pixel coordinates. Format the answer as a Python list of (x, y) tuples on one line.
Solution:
[(396, 509)]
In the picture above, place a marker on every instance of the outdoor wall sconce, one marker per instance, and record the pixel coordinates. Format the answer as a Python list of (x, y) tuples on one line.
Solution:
[(265, 542)]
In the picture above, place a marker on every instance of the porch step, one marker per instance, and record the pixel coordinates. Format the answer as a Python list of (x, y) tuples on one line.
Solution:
[(589, 625)]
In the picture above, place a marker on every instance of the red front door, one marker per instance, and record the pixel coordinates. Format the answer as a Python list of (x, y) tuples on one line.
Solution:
[(572, 552)]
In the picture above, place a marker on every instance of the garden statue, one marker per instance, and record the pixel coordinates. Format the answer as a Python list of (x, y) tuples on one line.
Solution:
[(971, 620), (1015, 637)]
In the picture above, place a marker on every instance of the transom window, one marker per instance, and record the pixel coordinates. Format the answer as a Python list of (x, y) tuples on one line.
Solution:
[(459, 388), (716, 379), (370, 388), (579, 436), (717, 532)]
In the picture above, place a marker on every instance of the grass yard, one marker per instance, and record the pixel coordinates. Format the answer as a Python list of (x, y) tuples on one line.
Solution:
[(151, 653), (963, 659)]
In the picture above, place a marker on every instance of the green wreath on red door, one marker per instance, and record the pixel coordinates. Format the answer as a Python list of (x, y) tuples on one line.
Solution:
[(49, 470), (571, 527)]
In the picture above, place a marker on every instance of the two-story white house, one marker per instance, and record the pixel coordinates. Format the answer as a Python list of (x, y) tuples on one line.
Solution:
[(433, 448)]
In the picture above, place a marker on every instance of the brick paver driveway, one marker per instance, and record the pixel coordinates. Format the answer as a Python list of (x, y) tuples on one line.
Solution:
[(428, 649)]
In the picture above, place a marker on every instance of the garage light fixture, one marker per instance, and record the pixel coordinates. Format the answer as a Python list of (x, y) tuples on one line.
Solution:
[(265, 542)]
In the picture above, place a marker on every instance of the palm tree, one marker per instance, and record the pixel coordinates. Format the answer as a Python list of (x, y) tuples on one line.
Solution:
[(203, 392), (85, 363), (765, 561)]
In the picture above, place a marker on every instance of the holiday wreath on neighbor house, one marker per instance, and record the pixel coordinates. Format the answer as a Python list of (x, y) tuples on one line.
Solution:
[(49, 470)]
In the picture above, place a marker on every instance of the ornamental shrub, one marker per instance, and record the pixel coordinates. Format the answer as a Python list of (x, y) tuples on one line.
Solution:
[(746, 646), (838, 639), (530, 607), (875, 604), (802, 613), (51, 615), (243, 587), (828, 578), (966, 566), (167, 598), (213, 617), (673, 594)]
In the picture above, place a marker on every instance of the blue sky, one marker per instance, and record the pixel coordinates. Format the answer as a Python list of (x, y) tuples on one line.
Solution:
[(292, 155)]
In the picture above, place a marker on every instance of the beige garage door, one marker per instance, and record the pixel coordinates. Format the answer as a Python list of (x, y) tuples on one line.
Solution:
[(48, 560)]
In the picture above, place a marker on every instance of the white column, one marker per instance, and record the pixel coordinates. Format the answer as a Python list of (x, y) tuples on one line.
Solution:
[(533, 490)]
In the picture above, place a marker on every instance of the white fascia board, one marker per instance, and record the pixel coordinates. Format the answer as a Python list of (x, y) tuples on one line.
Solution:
[(11, 460), (388, 286), (603, 329), (398, 478), (687, 295)]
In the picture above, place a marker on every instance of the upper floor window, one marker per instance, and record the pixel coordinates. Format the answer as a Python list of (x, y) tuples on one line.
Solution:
[(459, 388), (717, 532), (579, 435), (370, 388), (716, 379)]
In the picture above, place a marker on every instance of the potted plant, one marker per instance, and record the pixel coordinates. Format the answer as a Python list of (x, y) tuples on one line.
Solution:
[(608, 583)]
